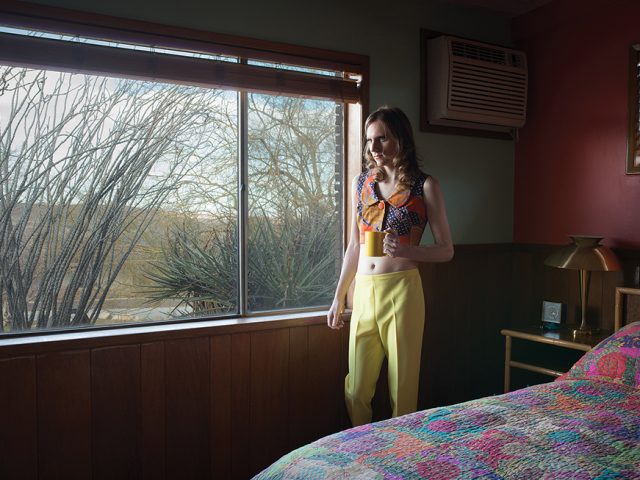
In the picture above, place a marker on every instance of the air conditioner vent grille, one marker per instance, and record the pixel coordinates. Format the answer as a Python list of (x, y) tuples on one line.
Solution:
[(482, 88), (474, 83), (473, 51)]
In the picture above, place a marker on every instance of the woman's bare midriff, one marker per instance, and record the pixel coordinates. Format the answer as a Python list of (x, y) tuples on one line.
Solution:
[(376, 265)]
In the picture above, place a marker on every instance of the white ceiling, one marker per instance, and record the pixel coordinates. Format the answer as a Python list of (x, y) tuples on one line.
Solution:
[(510, 7)]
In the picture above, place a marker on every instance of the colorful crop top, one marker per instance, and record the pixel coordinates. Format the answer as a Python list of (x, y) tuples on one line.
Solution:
[(404, 211)]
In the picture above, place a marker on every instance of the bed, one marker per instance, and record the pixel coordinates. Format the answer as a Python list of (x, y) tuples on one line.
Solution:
[(584, 425)]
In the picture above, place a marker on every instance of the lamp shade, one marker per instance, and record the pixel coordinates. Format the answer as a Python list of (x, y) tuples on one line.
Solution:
[(585, 253)]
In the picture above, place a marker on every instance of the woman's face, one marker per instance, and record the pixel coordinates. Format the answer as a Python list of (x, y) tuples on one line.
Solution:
[(381, 144)]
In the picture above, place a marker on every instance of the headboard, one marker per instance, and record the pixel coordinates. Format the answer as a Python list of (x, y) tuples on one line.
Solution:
[(629, 310)]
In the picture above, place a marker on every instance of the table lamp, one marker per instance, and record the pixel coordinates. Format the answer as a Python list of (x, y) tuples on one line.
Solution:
[(586, 255)]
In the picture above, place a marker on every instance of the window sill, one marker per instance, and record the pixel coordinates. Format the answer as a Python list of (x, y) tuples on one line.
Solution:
[(39, 343)]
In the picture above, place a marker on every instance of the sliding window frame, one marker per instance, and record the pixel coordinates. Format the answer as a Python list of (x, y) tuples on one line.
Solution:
[(351, 89)]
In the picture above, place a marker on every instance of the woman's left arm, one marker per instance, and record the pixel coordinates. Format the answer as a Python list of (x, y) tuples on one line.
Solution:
[(442, 249)]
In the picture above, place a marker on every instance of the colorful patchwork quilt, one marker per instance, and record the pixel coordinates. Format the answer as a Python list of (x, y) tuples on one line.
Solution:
[(585, 426)]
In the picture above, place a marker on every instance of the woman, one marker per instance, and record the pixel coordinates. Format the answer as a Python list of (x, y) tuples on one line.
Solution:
[(394, 196)]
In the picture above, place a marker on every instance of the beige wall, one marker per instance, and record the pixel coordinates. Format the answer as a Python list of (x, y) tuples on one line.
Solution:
[(476, 174)]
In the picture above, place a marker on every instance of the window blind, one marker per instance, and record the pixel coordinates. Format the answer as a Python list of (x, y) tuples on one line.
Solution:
[(23, 50)]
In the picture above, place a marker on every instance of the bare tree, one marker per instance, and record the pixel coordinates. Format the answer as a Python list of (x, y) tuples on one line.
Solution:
[(293, 236), (292, 152), (86, 162)]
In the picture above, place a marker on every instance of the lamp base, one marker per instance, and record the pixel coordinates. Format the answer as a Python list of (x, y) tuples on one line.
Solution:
[(585, 331)]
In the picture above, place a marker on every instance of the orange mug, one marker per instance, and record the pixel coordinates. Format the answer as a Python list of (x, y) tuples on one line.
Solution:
[(373, 244)]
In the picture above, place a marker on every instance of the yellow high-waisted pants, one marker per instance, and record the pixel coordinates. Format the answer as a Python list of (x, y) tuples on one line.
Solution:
[(387, 320)]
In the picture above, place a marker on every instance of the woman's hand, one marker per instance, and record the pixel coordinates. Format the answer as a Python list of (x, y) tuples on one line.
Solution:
[(391, 244), (334, 317)]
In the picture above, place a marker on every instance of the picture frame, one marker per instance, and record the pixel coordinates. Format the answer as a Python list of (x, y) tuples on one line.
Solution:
[(633, 135), (626, 308), (553, 314)]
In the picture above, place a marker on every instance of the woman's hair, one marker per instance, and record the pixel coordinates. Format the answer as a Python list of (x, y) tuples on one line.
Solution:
[(406, 160)]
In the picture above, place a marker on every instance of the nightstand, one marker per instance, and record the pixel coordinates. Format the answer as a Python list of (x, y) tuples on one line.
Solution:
[(562, 338)]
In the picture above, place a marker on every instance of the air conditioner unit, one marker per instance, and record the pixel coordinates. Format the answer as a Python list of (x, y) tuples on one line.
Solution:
[(475, 85)]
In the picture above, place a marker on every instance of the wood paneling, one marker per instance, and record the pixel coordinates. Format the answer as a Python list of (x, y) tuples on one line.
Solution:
[(223, 401), (205, 406), (468, 301), (269, 408), (115, 412), (325, 381), (18, 433), (187, 411), (240, 405), (300, 422), (497, 307), (221, 411), (64, 415), (152, 421), (535, 282)]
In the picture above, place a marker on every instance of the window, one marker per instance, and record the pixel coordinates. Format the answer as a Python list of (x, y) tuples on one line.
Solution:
[(633, 141), (144, 182)]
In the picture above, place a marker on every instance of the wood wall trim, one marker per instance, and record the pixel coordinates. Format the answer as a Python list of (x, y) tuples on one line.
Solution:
[(484, 247), (623, 253), (40, 343)]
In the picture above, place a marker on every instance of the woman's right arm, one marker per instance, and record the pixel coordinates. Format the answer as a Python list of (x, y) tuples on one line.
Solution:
[(349, 267)]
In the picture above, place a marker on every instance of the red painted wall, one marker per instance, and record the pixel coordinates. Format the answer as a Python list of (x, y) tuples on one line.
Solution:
[(571, 155)]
